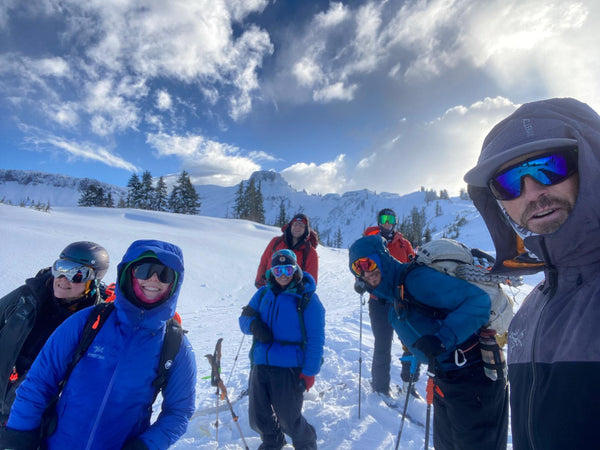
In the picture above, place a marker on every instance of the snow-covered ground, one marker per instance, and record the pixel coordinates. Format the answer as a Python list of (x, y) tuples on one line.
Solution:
[(221, 256)]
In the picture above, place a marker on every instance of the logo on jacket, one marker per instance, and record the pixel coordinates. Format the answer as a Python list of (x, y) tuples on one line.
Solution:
[(97, 352)]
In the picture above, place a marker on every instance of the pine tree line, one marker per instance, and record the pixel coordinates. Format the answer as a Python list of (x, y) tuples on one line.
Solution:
[(143, 194)]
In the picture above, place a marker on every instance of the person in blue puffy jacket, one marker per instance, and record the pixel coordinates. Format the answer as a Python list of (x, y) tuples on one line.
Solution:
[(107, 400), (438, 317), (287, 321)]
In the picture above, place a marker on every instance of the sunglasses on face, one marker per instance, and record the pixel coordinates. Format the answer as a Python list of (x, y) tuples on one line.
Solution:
[(362, 265), (546, 169), (387, 218), (145, 271), (299, 221), (72, 271), (287, 270)]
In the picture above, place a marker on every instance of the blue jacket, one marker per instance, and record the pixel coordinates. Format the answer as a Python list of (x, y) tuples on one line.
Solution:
[(467, 306), (279, 312), (107, 398)]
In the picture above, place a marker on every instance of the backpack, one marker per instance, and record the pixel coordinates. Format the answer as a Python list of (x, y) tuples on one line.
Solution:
[(470, 264), (95, 321)]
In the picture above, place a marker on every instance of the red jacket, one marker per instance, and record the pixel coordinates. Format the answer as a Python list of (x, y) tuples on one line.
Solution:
[(399, 247), (307, 256)]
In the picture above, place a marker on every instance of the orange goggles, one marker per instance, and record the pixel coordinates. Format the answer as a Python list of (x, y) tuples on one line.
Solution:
[(362, 265)]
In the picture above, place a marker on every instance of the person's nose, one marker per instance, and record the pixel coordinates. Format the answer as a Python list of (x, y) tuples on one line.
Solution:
[(531, 189), (154, 277)]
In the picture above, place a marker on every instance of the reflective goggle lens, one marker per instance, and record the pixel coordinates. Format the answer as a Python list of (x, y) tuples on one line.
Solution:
[(72, 271), (387, 218), (362, 265), (283, 270), (547, 170), (146, 270)]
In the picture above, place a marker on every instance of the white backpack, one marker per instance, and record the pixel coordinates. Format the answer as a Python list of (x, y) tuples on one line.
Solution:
[(470, 264)]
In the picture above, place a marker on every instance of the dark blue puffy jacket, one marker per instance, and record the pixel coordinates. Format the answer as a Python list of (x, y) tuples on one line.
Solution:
[(467, 307), (106, 401), (279, 312)]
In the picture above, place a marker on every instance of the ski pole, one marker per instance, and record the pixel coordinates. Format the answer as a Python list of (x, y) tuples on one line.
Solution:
[(431, 387), (413, 369), (236, 358), (362, 302)]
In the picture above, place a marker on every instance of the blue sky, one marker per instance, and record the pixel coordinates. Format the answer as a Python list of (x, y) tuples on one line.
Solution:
[(335, 96)]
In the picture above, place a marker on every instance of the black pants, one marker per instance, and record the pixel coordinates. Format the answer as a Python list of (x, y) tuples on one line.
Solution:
[(382, 351), (275, 407), (473, 414)]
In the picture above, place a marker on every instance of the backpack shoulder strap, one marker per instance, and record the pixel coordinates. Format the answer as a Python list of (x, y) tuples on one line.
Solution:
[(93, 324), (404, 298), (170, 348), (302, 304)]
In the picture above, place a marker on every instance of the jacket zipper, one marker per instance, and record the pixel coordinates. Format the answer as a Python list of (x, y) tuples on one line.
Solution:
[(551, 291)]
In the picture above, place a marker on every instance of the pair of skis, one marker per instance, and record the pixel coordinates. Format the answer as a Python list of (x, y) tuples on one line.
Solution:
[(221, 392)]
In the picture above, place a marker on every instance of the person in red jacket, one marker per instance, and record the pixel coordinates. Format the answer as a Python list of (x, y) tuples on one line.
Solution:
[(401, 249), (298, 237)]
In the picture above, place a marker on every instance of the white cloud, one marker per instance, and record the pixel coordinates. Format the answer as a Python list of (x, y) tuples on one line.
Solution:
[(207, 161), (163, 100), (323, 178), (336, 91), (111, 107), (434, 154), (84, 151)]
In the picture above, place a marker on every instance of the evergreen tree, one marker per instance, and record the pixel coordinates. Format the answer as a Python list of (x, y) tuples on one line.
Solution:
[(92, 195), (438, 209), (282, 216), (464, 195), (121, 203), (146, 194), (413, 226), (444, 194), (191, 197), (256, 203), (338, 241), (161, 198), (108, 201), (134, 188), (184, 198), (240, 210)]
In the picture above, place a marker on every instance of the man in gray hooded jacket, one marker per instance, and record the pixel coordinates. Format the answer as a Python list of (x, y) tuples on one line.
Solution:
[(534, 185)]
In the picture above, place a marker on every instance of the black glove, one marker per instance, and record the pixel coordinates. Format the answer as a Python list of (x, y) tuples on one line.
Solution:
[(135, 444), (261, 331), (360, 286), (405, 374), (430, 346), (18, 439)]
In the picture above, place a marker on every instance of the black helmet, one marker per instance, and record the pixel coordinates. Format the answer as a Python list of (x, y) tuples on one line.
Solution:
[(89, 254)]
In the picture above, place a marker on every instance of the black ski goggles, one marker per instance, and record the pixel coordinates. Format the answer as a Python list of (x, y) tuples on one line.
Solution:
[(145, 271), (73, 271), (548, 169)]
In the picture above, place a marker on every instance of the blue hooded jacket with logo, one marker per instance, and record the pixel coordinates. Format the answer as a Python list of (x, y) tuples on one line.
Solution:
[(279, 312), (107, 399), (467, 307)]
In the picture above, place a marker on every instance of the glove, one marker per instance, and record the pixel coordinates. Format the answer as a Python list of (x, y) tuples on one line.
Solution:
[(19, 439), (306, 382), (406, 362), (430, 346), (360, 286), (134, 444), (261, 331)]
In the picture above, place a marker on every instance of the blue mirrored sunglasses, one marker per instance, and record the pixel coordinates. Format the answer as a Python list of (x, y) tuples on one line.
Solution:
[(548, 170), (73, 271), (287, 270), (145, 271)]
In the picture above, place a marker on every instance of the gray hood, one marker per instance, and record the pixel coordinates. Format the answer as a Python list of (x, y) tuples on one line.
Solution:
[(535, 126)]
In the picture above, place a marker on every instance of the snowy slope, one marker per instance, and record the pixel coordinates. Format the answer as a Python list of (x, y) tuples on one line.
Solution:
[(350, 213), (221, 256)]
